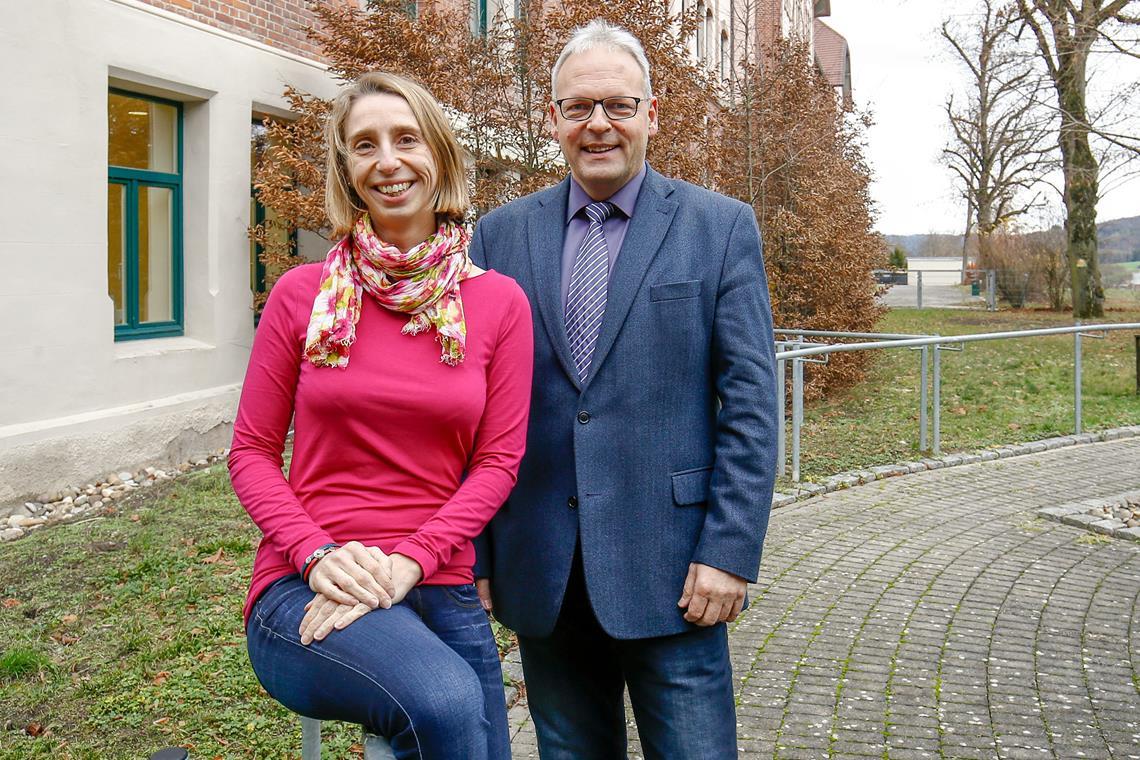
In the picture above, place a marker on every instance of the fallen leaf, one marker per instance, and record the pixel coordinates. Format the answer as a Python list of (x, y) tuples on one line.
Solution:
[(206, 656), (959, 410), (35, 729), (215, 557), (1014, 426), (160, 679), (10, 603), (134, 518), (69, 619), (65, 638), (160, 721)]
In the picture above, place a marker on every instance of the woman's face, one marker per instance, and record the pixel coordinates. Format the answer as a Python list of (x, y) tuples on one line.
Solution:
[(392, 168)]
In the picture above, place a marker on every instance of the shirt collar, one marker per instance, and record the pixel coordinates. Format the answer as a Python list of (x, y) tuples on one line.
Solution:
[(625, 198)]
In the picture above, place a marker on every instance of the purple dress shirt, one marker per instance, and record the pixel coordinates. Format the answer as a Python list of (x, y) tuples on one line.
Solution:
[(613, 228)]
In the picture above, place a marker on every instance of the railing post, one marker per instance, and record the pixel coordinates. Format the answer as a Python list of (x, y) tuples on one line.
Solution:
[(991, 289), (781, 443), (919, 273), (1137, 337), (1077, 379), (937, 399), (923, 401), (797, 414)]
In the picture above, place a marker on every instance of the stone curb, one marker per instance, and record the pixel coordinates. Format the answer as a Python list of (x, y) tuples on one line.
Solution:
[(91, 501), (1076, 513), (853, 478)]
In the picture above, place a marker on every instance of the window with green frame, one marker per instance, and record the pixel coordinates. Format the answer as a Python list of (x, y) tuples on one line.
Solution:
[(479, 18), (261, 215), (144, 215)]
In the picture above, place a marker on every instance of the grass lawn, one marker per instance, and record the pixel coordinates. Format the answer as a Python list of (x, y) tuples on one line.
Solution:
[(122, 634)]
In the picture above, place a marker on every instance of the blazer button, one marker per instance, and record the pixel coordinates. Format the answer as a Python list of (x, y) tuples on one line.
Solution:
[(583, 417), (572, 502)]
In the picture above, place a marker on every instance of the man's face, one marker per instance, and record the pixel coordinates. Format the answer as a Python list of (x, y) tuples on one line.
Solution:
[(603, 154)]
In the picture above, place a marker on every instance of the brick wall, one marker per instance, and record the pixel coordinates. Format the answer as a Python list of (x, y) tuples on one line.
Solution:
[(279, 23)]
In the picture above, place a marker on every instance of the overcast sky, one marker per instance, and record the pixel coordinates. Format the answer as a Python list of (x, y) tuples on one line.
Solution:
[(902, 72)]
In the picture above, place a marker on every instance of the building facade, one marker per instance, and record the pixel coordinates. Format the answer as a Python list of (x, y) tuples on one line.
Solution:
[(125, 300)]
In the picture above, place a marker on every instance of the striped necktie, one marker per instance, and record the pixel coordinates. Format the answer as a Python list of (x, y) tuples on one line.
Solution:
[(586, 299)]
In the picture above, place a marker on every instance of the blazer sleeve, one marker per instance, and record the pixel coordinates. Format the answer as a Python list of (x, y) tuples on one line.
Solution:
[(743, 357)]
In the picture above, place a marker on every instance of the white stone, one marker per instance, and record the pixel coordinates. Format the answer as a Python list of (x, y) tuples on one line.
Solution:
[(10, 533), (125, 476), (82, 499)]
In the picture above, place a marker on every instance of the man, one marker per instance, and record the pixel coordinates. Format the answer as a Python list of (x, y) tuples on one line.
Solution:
[(643, 498)]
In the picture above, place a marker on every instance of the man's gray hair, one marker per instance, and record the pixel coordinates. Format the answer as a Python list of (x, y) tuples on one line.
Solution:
[(602, 34)]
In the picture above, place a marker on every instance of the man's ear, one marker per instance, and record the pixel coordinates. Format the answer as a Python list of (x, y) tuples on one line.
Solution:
[(653, 126), (552, 120)]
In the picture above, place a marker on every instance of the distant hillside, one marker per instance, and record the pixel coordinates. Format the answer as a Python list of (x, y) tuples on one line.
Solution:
[(1118, 239), (927, 245)]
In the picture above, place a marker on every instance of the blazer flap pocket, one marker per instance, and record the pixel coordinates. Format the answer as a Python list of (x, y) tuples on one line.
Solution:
[(692, 486), (669, 291)]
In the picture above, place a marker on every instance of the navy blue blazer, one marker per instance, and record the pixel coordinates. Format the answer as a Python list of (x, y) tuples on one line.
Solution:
[(666, 454)]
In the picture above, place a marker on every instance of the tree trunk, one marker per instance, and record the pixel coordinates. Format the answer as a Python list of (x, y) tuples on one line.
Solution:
[(1081, 176)]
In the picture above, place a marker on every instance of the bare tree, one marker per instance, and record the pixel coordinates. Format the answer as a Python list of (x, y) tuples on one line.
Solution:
[(997, 148), (1067, 33)]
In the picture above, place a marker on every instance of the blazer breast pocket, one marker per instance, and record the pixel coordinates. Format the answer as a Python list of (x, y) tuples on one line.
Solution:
[(674, 291)]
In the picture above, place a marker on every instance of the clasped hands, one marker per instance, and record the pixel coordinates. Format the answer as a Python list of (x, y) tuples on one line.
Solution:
[(352, 581)]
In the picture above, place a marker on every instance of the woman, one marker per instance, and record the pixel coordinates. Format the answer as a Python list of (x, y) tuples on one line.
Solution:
[(406, 371)]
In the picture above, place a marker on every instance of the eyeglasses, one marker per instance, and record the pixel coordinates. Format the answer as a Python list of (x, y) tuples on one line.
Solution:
[(582, 109)]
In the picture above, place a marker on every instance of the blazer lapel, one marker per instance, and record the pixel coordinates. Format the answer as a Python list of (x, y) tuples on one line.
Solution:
[(651, 219), (546, 231)]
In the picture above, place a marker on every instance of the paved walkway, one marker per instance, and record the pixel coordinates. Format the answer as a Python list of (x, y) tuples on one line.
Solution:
[(935, 616)]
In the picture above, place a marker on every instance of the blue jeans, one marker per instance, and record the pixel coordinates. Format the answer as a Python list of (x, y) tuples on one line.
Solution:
[(424, 673), (680, 688)]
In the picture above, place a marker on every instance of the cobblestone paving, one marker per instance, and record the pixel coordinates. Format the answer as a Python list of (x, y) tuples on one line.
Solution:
[(934, 616)]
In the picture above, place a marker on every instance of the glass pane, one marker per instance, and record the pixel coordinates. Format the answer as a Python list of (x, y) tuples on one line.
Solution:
[(142, 134), (117, 249), (156, 254)]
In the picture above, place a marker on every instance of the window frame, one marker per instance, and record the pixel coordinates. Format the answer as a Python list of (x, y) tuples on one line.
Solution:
[(479, 21), (133, 181)]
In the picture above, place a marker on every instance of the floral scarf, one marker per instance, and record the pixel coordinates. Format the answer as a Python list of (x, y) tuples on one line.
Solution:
[(424, 282)]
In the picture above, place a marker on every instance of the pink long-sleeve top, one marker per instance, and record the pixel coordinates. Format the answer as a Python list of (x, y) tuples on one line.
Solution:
[(398, 450)]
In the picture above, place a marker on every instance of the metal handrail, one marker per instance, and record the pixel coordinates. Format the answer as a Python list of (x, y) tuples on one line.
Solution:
[(804, 352)]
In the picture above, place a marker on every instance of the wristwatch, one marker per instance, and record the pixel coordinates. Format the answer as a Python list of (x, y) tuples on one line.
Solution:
[(318, 554)]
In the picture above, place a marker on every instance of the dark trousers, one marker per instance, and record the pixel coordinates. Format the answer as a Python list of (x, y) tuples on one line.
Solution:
[(680, 688), (424, 673)]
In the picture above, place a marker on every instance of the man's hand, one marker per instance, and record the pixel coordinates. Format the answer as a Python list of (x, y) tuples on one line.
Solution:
[(323, 616), (355, 574), (711, 596), (483, 586)]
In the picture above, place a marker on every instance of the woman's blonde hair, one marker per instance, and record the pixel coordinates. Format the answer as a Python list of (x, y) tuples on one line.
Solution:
[(342, 203)]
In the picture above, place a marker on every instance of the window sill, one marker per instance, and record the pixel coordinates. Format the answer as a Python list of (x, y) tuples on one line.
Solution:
[(137, 349)]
